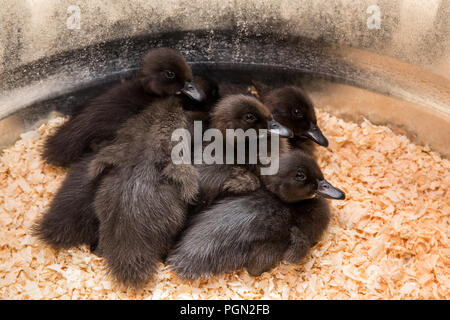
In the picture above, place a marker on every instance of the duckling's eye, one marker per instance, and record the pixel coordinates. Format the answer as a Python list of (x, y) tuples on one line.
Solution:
[(250, 117), (297, 113), (300, 176), (169, 74)]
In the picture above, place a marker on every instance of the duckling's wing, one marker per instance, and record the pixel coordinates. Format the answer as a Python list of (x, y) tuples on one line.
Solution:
[(310, 220), (298, 247), (264, 255)]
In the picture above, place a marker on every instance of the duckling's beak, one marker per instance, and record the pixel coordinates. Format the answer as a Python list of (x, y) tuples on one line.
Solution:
[(326, 190), (316, 135), (277, 128), (191, 90)]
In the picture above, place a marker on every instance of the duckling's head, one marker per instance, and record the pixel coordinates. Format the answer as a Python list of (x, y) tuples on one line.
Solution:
[(245, 112), (292, 107), (165, 72), (299, 178)]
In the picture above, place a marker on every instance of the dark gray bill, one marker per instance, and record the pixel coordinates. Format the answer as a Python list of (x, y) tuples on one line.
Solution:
[(326, 190), (316, 135), (192, 91), (277, 128)]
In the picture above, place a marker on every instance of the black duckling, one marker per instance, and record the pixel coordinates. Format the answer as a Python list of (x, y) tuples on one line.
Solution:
[(280, 221), (129, 197), (142, 199), (164, 72), (236, 112), (70, 220), (292, 107)]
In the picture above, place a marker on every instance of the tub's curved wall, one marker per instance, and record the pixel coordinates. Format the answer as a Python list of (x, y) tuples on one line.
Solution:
[(412, 31)]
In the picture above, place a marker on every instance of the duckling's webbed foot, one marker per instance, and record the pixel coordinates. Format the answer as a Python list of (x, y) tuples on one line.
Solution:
[(242, 181), (187, 177)]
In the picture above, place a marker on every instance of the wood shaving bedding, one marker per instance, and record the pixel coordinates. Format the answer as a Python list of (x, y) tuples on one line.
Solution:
[(387, 240)]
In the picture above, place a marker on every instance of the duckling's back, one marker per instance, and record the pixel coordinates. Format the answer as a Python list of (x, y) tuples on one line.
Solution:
[(221, 238)]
